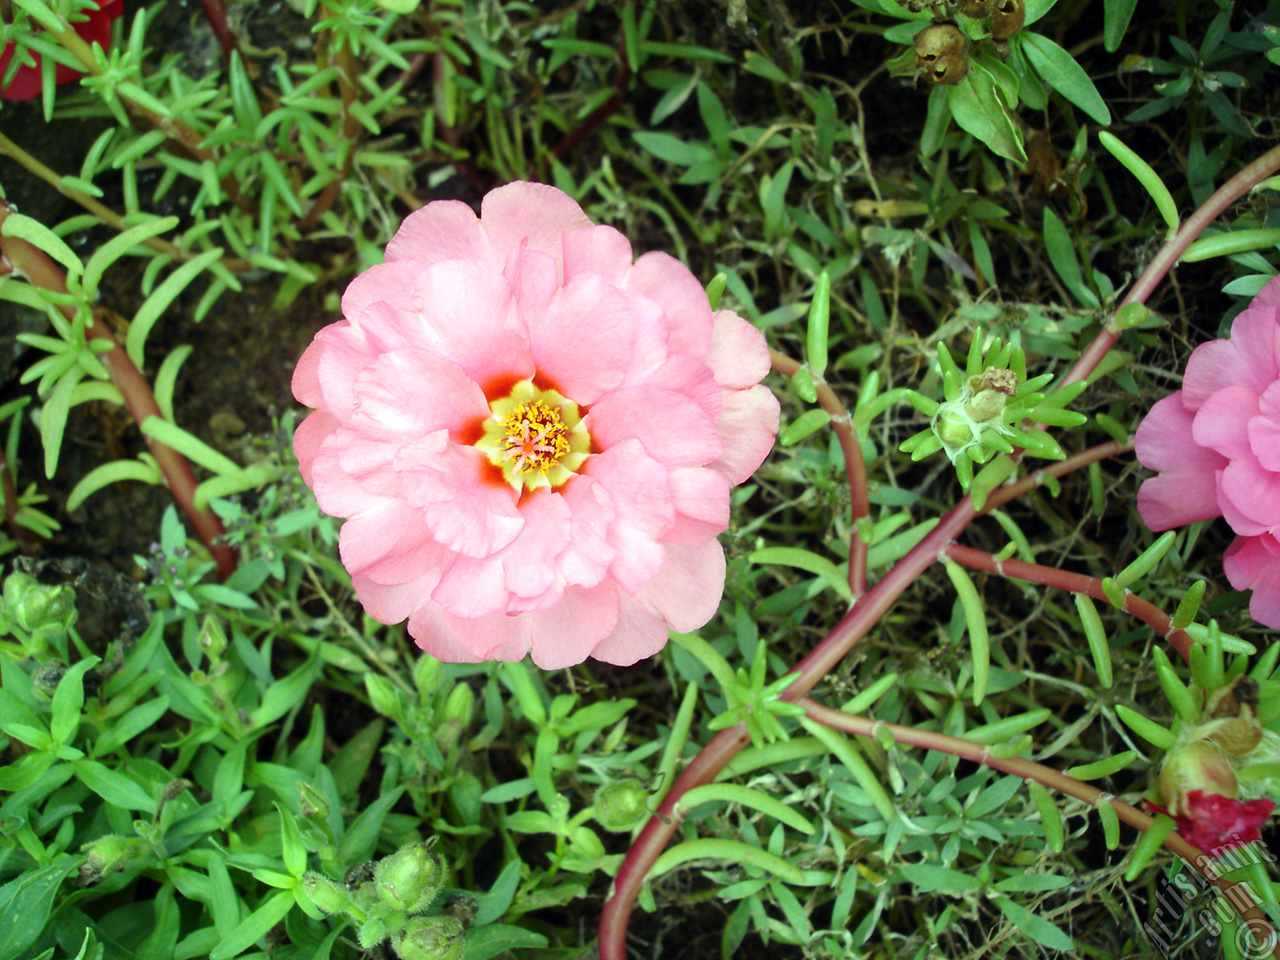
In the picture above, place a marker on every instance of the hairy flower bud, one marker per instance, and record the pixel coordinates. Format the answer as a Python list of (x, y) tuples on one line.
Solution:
[(410, 878), (431, 938), (328, 895), (42, 611), (620, 804)]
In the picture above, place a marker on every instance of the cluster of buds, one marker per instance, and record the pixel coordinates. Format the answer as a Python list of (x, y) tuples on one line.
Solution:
[(991, 407), (1007, 16), (942, 48), (1200, 782), (387, 899)]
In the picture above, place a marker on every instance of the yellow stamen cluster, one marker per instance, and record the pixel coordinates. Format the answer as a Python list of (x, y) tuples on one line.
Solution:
[(536, 437)]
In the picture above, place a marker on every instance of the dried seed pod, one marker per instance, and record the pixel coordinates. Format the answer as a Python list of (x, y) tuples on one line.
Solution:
[(942, 54), (978, 9), (1009, 18)]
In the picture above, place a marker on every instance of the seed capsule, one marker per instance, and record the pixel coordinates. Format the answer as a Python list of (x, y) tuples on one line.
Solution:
[(1009, 18), (942, 54)]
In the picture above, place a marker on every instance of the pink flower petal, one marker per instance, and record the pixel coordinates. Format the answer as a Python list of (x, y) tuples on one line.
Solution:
[(338, 493), (701, 498), (530, 560), (583, 342), (687, 591), (307, 438), (441, 231), (465, 509), (407, 394), (636, 485), (738, 355), (1186, 490), (389, 544), (672, 428), (431, 629), (346, 351), (1222, 422), (1253, 492), (599, 250), (666, 281), (585, 562), (306, 381), (558, 637), (693, 379), (1250, 359), (472, 587), (1269, 295), (1253, 563), (748, 425), (530, 213), (393, 603), (1264, 430), (639, 634)]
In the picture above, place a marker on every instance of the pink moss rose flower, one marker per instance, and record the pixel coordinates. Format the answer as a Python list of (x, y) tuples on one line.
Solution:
[(532, 437), (1216, 445)]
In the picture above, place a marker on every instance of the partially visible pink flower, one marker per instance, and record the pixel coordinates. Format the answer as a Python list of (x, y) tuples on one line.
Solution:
[(26, 82), (532, 436), (1213, 823), (1216, 445)]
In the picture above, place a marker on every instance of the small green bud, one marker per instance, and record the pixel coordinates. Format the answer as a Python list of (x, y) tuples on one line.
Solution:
[(410, 878), (43, 611), (313, 803), (456, 716), (426, 675), (110, 853), (328, 895), (212, 638), (431, 938), (372, 932), (952, 429), (383, 696), (620, 804), (1130, 315)]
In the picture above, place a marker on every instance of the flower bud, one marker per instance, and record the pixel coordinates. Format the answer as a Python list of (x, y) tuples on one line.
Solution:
[(329, 896), (426, 675), (431, 938), (312, 801), (43, 611), (953, 428), (1195, 766), (212, 638), (110, 853), (383, 696), (620, 804), (410, 878), (372, 932)]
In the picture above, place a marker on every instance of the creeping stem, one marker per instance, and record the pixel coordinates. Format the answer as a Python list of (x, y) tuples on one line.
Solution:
[(25, 259), (1168, 255), (1144, 610), (1029, 770), (855, 467), (873, 604)]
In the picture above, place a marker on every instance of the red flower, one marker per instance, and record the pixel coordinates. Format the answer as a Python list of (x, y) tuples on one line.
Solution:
[(97, 29), (1212, 822)]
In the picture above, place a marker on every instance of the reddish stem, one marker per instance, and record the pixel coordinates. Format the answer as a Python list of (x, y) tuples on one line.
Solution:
[(1144, 610), (215, 11), (1254, 918), (32, 263), (1174, 247), (855, 468), (1002, 495)]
